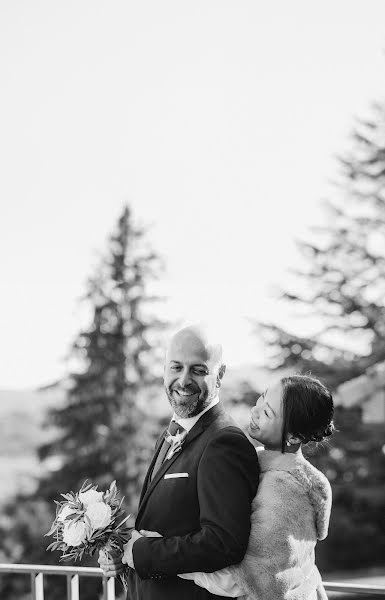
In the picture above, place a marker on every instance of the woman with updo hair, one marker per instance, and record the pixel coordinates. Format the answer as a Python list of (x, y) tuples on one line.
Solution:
[(291, 510)]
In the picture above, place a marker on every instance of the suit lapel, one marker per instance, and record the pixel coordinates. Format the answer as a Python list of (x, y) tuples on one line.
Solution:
[(152, 464), (203, 423), (149, 486)]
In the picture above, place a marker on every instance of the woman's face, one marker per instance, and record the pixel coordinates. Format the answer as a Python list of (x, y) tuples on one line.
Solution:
[(266, 421)]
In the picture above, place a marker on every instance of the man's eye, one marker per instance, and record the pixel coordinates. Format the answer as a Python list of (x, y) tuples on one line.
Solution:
[(175, 368), (200, 372), (266, 413)]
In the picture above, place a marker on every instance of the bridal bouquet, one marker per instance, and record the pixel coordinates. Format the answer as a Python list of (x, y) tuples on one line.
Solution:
[(89, 521)]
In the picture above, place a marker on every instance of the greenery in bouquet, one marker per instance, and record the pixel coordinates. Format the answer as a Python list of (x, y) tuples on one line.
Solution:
[(89, 521)]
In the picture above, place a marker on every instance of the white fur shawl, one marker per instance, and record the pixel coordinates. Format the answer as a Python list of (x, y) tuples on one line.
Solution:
[(289, 514)]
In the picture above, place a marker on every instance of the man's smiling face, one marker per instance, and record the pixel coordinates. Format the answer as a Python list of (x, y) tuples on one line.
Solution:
[(192, 373)]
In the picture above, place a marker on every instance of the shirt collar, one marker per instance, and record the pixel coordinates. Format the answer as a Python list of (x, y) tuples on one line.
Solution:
[(189, 422)]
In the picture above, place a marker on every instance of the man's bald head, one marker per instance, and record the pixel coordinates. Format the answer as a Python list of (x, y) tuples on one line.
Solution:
[(193, 371), (198, 339)]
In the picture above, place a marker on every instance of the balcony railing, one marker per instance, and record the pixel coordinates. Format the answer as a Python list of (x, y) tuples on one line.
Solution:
[(73, 574), (355, 588)]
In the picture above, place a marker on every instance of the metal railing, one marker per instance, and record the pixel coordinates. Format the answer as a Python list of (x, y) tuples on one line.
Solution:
[(73, 574), (355, 588)]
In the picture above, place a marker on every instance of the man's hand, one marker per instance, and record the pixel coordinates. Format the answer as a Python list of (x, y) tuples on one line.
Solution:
[(127, 555), (111, 565)]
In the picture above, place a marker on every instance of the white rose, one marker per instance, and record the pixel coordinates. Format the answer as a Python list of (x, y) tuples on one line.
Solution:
[(90, 497), (99, 514), (65, 511), (74, 533)]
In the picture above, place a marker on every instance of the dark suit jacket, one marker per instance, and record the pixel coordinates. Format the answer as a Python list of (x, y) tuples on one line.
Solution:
[(204, 518)]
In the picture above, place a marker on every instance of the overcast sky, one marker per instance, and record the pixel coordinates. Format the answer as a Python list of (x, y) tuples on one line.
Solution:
[(218, 121)]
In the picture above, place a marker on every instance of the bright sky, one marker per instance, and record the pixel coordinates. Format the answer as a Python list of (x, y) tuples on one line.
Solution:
[(217, 120)]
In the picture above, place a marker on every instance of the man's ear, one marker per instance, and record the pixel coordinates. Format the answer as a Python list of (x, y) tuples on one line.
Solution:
[(221, 372)]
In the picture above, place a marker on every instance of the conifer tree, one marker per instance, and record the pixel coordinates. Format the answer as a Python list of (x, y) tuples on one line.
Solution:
[(342, 287), (100, 432), (343, 284)]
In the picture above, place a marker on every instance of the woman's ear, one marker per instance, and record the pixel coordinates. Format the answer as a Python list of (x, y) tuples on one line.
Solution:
[(292, 440)]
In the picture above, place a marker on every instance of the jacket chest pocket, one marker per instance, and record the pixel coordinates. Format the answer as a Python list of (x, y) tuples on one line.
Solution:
[(178, 487), (176, 476), (174, 504)]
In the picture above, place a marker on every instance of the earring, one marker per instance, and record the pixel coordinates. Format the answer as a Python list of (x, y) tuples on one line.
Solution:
[(288, 443)]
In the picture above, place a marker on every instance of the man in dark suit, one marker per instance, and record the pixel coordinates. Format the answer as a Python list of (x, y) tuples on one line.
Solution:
[(198, 490)]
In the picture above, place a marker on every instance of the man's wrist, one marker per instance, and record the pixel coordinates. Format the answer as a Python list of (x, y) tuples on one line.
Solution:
[(128, 557), (141, 557)]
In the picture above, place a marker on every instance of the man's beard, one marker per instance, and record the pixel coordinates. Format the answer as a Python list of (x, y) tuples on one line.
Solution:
[(188, 406)]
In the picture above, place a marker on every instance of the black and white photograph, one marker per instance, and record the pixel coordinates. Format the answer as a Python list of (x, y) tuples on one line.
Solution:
[(192, 232)]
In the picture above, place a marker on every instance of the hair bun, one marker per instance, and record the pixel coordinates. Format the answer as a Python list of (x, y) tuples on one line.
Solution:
[(308, 409), (330, 429), (322, 434)]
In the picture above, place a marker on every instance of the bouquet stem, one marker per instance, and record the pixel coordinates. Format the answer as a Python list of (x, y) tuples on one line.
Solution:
[(111, 553)]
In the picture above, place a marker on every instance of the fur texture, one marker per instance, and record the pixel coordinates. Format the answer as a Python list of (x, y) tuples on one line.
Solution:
[(289, 514)]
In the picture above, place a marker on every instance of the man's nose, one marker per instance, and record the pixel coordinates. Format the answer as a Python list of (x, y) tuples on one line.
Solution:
[(184, 378)]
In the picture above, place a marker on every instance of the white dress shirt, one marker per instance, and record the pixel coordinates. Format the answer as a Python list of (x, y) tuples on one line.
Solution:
[(220, 583)]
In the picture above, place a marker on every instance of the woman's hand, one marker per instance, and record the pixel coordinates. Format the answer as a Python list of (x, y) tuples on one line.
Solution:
[(146, 533)]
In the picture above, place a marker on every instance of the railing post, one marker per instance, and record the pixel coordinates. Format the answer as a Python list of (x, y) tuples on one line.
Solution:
[(37, 584), (72, 587), (109, 588)]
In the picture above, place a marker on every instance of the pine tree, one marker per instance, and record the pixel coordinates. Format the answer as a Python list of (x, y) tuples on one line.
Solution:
[(100, 431), (343, 284), (342, 287), (101, 427), (354, 462)]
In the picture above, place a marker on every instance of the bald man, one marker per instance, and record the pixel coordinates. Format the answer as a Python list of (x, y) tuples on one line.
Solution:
[(198, 490)]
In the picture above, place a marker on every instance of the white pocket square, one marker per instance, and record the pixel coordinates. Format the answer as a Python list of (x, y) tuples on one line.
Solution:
[(175, 475)]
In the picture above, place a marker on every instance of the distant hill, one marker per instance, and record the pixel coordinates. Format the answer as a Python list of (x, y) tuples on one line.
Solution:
[(21, 432), (22, 414), (32, 402)]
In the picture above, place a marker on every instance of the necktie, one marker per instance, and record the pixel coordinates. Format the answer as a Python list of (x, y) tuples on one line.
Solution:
[(173, 428)]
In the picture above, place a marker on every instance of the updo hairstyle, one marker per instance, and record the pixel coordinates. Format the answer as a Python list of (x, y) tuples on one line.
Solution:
[(307, 409)]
